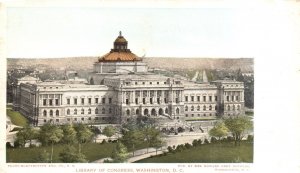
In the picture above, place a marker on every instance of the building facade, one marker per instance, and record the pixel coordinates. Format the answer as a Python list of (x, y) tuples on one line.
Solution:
[(121, 88)]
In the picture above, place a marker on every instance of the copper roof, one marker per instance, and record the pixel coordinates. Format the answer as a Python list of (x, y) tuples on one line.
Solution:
[(119, 56)]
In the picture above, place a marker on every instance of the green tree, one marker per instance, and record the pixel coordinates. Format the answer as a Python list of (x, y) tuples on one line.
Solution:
[(43, 157), (109, 131), (219, 130), (152, 136), (120, 153), (132, 138), (84, 134), (69, 134), (238, 126), (26, 134), (70, 155)]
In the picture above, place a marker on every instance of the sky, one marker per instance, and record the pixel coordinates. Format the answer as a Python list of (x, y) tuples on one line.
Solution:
[(160, 32)]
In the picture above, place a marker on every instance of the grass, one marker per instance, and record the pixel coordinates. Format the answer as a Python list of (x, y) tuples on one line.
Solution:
[(93, 151), (17, 118), (209, 153)]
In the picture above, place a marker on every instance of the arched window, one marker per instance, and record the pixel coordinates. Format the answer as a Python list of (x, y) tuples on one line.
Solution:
[(68, 111), (228, 108), (51, 112), (146, 112), (177, 111), (137, 111), (204, 108), (128, 112), (82, 111), (192, 108), (103, 110), (45, 113), (186, 108), (57, 112), (96, 111), (75, 111), (210, 107), (198, 108), (89, 111)]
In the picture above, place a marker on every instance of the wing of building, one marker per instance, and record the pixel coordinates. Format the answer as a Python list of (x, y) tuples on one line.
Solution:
[(121, 88)]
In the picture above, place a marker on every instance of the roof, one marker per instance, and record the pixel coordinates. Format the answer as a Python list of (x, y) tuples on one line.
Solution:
[(121, 39), (119, 56)]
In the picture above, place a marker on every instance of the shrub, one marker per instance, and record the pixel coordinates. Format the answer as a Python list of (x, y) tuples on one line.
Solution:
[(230, 138), (250, 138), (104, 141), (195, 142), (213, 140), (8, 145), (170, 149), (206, 141), (188, 146), (180, 148)]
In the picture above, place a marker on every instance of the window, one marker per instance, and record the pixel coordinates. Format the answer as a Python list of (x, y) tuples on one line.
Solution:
[(151, 100), (127, 112), (192, 115), (228, 107), (68, 101), (177, 100), (186, 108), (96, 118), (150, 83), (237, 98), (109, 100), (210, 107), (192, 108), (198, 108), (44, 102), (238, 107), (82, 101), (56, 101), (90, 100), (165, 82), (45, 113), (89, 111), (90, 118), (192, 98), (109, 110), (204, 108), (165, 100), (136, 83), (210, 98), (51, 112), (186, 98), (82, 119), (82, 111), (198, 98), (216, 98), (57, 120), (75, 111), (96, 111), (233, 107), (157, 82), (186, 115), (75, 101), (68, 111), (143, 83), (96, 100), (136, 101), (103, 110), (144, 100), (75, 119), (127, 101), (50, 102), (232, 98), (216, 107), (103, 100), (227, 98), (204, 98), (45, 121), (57, 112)]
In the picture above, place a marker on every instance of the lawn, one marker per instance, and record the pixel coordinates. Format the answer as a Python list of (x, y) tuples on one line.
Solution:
[(93, 151), (209, 153), (16, 118)]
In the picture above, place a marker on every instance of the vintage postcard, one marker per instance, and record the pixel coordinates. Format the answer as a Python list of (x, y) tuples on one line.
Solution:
[(171, 86)]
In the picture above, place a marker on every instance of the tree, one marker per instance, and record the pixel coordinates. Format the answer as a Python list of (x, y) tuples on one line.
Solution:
[(132, 138), (151, 136), (84, 134), (109, 131), (219, 130), (25, 134), (70, 155), (43, 157), (69, 134), (238, 126), (119, 154)]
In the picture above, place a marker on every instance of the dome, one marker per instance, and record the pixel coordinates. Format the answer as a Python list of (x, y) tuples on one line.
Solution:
[(120, 39)]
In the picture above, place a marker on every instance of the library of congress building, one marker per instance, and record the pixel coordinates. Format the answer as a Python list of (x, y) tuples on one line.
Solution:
[(120, 88)]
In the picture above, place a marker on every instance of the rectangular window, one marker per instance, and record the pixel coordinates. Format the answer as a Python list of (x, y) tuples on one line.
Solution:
[(237, 98), (204, 98), (144, 100), (90, 100), (56, 101), (136, 101), (109, 100), (158, 100), (44, 102), (232, 98), (127, 101), (82, 101), (192, 98), (151, 100), (50, 102), (103, 100), (186, 98), (68, 101), (210, 98), (75, 101), (165, 100), (227, 98), (177, 100), (198, 98), (96, 100), (216, 98)]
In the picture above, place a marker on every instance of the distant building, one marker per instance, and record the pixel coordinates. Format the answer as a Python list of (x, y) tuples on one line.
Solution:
[(120, 88)]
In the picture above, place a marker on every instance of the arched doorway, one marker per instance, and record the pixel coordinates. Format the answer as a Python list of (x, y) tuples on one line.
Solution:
[(160, 111), (146, 112), (153, 112)]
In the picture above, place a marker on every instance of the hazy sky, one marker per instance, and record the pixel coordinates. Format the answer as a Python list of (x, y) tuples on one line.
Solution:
[(167, 32)]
